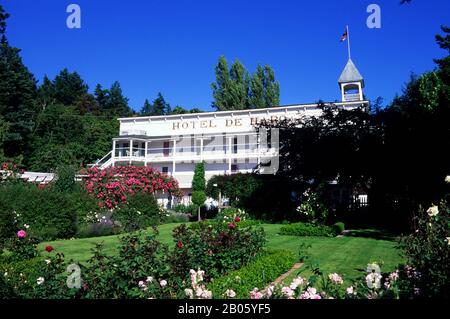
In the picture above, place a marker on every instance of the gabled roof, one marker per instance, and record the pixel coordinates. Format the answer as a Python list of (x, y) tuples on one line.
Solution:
[(350, 74)]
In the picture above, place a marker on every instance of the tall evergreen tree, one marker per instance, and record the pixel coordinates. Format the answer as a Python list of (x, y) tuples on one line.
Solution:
[(46, 93), (17, 95), (101, 96), (222, 87), (265, 91), (444, 63), (198, 187), (230, 91), (3, 16), (236, 89), (69, 87), (160, 106), (117, 104), (146, 109)]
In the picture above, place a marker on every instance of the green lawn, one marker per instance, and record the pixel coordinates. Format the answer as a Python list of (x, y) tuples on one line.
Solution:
[(345, 255)]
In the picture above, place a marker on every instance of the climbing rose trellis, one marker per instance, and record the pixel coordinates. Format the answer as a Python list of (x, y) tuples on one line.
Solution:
[(113, 185)]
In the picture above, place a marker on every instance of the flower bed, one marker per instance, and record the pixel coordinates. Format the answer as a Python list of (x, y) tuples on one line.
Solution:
[(258, 273)]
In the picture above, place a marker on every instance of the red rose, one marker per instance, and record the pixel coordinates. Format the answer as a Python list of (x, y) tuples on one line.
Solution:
[(180, 244), (49, 249), (231, 225), (237, 219)]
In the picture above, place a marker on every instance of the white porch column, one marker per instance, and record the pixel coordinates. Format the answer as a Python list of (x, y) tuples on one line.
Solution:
[(131, 150), (113, 154), (201, 148), (174, 151), (229, 155), (145, 154), (258, 145), (360, 92)]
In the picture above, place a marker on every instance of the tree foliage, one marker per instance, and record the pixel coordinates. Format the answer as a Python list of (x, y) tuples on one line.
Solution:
[(198, 187), (17, 96), (236, 89)]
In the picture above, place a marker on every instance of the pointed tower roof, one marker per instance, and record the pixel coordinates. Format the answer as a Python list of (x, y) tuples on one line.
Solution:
[(351, 74)]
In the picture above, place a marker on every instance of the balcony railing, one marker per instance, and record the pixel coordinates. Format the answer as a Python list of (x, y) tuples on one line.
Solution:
[(352, 97), (194, 152)]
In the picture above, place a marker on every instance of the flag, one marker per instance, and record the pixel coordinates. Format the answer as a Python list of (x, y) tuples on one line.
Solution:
[(344, 36)]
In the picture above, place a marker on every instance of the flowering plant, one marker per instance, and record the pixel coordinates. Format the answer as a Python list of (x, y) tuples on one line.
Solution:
[(112, 186), (428, 251)]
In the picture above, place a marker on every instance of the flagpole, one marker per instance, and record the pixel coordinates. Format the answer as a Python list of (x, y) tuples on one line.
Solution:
[(348, 42)]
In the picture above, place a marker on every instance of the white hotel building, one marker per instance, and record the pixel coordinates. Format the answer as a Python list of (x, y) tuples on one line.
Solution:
[(226, 141)]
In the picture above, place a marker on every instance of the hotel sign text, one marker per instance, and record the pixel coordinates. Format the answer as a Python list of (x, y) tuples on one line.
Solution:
[(233, 122)]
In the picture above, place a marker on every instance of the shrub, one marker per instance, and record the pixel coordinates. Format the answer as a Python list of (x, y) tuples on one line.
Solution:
[(65, 179), (301, 229), (145, 203), (185, 209), (339, 227), (37, 278), (313, 208), (215, 247), (113, 186), (48, 213), (230, 214), (7, 227), (173, 217), (427, 250), (22, 247), (130, 219), (264, 197), (258, 273), (140, 257)]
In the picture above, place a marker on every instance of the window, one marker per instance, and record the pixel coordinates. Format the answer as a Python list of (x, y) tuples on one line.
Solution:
[(165, 170), (166, 149), (234, 168), (235, 145)]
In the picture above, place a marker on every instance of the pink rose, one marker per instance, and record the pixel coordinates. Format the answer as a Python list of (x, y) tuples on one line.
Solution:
[(21, 233)]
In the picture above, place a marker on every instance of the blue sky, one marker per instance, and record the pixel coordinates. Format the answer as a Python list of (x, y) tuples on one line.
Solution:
[(173, 46)]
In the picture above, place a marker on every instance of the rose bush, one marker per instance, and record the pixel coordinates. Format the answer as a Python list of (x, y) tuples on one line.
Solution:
[(112, 186), (217, 248)]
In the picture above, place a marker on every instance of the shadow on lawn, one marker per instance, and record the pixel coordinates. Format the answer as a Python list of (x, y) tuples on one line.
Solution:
[(372, 233)]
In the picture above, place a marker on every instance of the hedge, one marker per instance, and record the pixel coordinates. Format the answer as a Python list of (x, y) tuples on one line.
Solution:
[(301, 229), (257, 274)]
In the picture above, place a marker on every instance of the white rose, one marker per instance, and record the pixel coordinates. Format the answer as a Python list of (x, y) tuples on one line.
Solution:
[(230, 293), (40, 280), (189, 293), (433, 211), (163, 283)]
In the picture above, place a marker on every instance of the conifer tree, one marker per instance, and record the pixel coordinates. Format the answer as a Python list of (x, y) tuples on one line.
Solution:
[(18, 94), (198, 187)]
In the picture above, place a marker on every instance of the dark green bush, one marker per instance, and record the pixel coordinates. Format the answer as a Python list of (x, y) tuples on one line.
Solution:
[(427, 250), (339, 227), (7, 227), (145, 203), (131, 219), (65, 179), (257, 274), (186, 209), (49, 213), (301, 229), (174, 217), (215, 248)]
